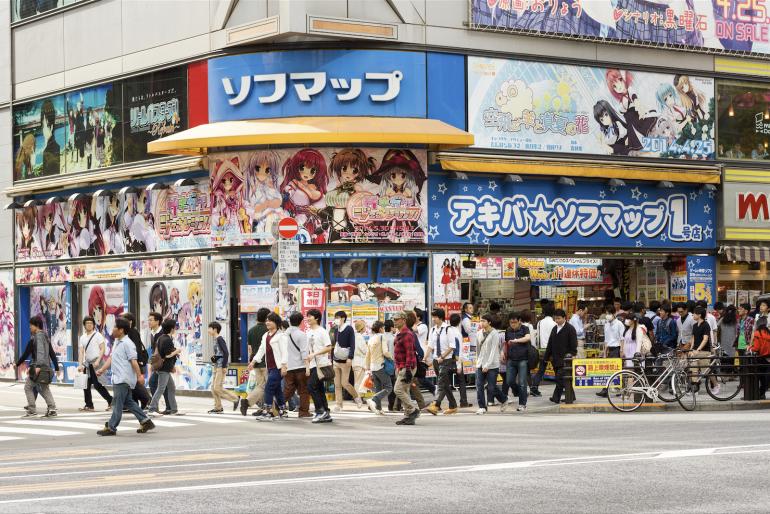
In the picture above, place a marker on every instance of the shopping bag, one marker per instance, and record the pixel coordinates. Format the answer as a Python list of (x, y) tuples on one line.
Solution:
[(80, 381), (368, 382)]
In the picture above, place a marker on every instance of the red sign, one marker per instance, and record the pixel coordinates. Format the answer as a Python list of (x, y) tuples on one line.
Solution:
[(288, 228), (753, 207)]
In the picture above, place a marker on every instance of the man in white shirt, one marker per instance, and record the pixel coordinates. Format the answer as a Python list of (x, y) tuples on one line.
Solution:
[(319, 348), (613, 335), (577, 321), (466, 326), (544, 329), (92, 346), (438, 344), (421, 329)]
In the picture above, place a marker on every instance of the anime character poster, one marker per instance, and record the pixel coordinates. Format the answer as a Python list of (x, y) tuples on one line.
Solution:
[(734, 25), (343, 195), (446, 281), (7, 326), (39, 137), (145, 221), (543, 107), (93, 128), (406, 294), (182, 301), (51, 304), (104, 303)]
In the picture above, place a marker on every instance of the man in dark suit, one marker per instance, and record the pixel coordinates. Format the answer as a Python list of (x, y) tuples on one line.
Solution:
[(563, 341)]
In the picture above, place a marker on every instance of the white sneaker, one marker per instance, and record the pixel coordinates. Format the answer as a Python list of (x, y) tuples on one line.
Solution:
[(337, 408), (504, 407), (716, 389), (359, 403), (510, 401), (481, 412), (521, 408), (372, 406)]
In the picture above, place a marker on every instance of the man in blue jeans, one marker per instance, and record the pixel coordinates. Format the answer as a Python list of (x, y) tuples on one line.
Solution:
[(124, 376), (487, 365), (517, 341), (275, 354), (154, 320)]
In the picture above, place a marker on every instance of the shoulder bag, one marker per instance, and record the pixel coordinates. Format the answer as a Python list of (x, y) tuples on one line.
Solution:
[(533, 357), (85, 351), (324, 372), (156, 361)]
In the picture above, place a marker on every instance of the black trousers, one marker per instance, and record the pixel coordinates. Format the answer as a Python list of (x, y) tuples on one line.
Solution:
[(463, 386), (560, 377), (445, 371), (317, 389), (139, 393), (92, 381)]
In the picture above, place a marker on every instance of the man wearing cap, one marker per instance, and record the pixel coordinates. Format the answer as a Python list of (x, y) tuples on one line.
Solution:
[(405, 357)]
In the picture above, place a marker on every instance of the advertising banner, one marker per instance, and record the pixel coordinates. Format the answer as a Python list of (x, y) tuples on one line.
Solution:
[(595, 373), (678, 285), (255, 297), (147, 221), (485, 210), (702, 278), (342, 195), (746, 206), (105, 303), (446, 282), (182, 301), (317, 83), (722, 25), (7, 326), (52, 305), (154, 106), (543, 107), (563, 270), (744, 120)]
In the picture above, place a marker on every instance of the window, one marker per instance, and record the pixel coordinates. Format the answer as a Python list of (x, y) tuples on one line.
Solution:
[(744, 121), (24, 9)]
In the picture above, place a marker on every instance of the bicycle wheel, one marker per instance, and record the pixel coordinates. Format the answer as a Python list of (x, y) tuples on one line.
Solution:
[(622, 393), (666, 391), (684, 389), (726, 385)]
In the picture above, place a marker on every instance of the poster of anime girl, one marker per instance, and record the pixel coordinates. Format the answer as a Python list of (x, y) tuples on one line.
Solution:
[(261, 195), (94, 129), (39, 136), (27, 234), (138, 225), (180, 300), (7, 326), (104, 303), (446, 282), (53, 236), (52, 305), (351, 169), (304, 186), (229, 220), (401, 176)]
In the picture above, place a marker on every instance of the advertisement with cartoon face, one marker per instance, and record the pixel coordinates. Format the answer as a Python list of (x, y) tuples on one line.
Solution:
[(543, 107)]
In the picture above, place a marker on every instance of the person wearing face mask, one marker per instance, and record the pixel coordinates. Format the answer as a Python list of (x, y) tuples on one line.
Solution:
[(562, 342), (613, 335), (632, 338)]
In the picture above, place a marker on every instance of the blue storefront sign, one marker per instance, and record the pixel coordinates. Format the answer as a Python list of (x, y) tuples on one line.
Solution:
[(539, 212), (317, 83)]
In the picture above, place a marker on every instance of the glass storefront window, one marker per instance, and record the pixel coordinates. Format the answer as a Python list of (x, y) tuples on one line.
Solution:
[(23, 9), (743, 110)]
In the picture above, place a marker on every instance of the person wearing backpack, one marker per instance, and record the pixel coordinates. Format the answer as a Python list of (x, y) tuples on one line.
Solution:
[(220, 360), (296, 379), (455, 335), (41, 354), (343, 353), (138, 393), (667, 333), (91, 349), (442, 348), (167, 353)]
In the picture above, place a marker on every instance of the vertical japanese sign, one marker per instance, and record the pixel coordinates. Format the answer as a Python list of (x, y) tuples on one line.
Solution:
[(701, 278)]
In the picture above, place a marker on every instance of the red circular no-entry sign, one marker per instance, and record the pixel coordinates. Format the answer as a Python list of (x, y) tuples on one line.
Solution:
[(288, 228)]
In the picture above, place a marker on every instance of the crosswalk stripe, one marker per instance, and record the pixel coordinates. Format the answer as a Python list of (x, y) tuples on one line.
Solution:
[(64, 424), (214, 418), (161, 423), (9, 438), (37, 431), (5, 407)]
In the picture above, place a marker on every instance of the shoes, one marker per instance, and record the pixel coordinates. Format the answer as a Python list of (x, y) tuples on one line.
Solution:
[(216, 411), (337, 408), (481, 411), (109, 408), (371, 406), (326, 417), (30, 414), (267, 416), (258, 412), (717, 389), (359, 403), (166, 412), (317, 417), (153, 413), (107, 431), (176, 413), (433, 409), (50, 414), (603, 393), (236, 403), (145, 427), (504, 406), (465, 405), (535, 392), (406, 420), (305, 415), (244, 407), (283, 414), (510, 400), (521, 408), (86, 409), (449, 412)]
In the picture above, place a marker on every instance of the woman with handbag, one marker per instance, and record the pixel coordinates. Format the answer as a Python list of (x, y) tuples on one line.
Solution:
[(379, 361), (343, 353), (92, 346), (318, 366), (359, 356)]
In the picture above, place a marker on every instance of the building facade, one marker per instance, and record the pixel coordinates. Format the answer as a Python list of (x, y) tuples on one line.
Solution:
[(431, 153)]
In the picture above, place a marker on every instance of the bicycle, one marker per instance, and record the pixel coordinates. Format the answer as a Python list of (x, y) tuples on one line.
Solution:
[(726, 382), (627, 389)]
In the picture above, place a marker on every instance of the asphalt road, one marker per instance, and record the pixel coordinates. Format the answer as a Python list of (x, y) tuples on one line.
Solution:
[(533, 462)]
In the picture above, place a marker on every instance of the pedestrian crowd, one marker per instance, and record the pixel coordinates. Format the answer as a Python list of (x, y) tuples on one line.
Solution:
[(295, 360)]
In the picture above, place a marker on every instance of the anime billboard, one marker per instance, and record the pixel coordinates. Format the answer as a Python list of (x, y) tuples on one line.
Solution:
[(543, 107), (7, 326), (144, 221), (39, 134), (104, 303), (721, 25), (52, 305), (345, 195)]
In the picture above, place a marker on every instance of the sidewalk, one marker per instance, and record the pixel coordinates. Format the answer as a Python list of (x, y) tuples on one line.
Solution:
[(586, 401)]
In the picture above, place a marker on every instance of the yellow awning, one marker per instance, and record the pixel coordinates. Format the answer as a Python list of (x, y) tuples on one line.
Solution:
[(480, 163), (312, 131)]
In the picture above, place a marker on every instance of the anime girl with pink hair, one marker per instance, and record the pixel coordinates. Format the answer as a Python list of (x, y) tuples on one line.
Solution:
[(304, 186), (262, 197), (103, 313), (228, 217), (619, 84)]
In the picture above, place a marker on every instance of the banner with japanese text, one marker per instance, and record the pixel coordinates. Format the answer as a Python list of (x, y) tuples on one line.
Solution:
[(484, 210), (719, 25), (544, 107)]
